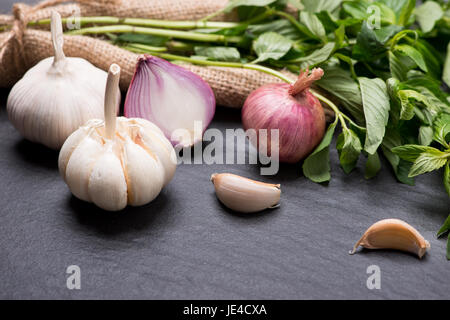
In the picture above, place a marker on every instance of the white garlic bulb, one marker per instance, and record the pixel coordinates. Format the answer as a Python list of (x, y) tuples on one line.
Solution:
[(57, 96), (118, 161)]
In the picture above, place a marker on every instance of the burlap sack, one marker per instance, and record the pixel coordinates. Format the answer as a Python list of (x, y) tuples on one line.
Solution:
[(24, 47)]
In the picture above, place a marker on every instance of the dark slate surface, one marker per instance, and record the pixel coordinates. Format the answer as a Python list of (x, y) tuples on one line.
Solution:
[(186, 245)]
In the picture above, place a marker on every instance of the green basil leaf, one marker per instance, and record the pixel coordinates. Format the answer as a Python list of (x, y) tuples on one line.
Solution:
[(430, 55), (447, 179), (368, 47), (401, 167), (442, 129), (316, 6), (399, 65), (405, 96), (448, 247), (232, 4), (339, 35), (271, 45), (425, 81), (402, 8), (219, 53), (445, 227), (349, 148), (430, 160), (414, 54), (373, 166), (410, 152), (446, 73), (351, 63), (428, 14), (328, 21), (340, 84), (370, 43), (313, 24), (376, 106), (316, 57), (425, 135), (282, 27), (317, 166), (356, 9)]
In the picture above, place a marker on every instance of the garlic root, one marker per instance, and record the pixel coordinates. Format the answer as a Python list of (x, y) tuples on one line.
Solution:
[(244, 195), (393, 234)]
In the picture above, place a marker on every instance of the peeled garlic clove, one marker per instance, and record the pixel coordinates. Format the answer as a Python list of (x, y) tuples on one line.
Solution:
[(245, 195), (393, 234), (57, 96)]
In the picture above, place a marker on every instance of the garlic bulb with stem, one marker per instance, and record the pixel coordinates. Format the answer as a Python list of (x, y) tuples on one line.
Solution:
[(57, 95), (118, 161)]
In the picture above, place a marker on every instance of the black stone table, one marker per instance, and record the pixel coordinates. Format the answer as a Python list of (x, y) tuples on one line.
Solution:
[(186, 245)]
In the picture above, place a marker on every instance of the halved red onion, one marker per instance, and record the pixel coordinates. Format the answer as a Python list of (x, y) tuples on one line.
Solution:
[(178, 101)]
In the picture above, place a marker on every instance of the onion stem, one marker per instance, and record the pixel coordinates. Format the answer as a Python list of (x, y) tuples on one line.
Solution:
[(186, 35), (181, 25)]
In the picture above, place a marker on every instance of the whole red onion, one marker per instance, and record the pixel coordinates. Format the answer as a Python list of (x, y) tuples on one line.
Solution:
[(292, 109)]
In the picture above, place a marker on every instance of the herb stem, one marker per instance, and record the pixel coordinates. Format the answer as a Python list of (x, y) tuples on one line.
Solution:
[(329, 103), (249, 66), (180, 25), (168, 56), (296, 24), (185, 35)]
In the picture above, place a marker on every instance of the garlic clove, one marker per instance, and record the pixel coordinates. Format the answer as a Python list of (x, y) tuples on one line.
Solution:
[(245, 195), (154, 143), (66, 151), (80, 166), (145, 175), (107, 185), (393, 234)]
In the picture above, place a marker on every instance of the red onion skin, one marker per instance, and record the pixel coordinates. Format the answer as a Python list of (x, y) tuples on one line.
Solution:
[(300, 119)]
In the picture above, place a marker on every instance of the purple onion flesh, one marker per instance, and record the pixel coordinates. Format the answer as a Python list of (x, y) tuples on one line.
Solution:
[(178, 101)]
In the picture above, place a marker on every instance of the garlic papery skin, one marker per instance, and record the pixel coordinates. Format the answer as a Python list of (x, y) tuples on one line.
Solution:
[(119, 161), (245, 195), (173, 98), (57, 96)]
